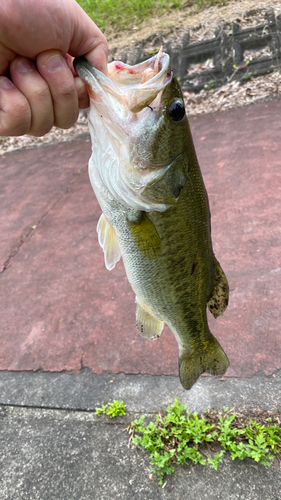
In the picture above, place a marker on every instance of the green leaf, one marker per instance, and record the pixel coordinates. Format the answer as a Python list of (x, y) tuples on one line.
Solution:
[(215, 461), (115, 409), (175, 438)]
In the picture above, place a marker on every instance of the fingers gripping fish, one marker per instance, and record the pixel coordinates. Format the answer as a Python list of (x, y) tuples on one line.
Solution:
[(147, 180)]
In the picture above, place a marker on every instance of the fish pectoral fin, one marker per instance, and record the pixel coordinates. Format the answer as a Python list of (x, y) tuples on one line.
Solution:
[(212, 360), (109, 242), (148, 326), (219, 299), (145, 236)]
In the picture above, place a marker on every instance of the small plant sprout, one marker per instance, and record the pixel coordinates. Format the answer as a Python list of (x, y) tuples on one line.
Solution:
[(179, 437), (115, 409), (247, 76), (210, 85)]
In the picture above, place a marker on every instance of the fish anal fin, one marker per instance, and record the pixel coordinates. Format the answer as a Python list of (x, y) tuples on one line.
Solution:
[(219, 299), (148, 326), (213, 360), (109, 242), (145, 236)]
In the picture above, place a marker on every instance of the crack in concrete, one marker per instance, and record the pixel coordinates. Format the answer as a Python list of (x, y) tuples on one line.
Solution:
[(84, 369), (62, 413), (89, 415), (15, 251), (24, 237)]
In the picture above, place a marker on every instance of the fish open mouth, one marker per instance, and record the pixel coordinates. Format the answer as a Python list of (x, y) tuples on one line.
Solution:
[(118, 118), (133, 86)]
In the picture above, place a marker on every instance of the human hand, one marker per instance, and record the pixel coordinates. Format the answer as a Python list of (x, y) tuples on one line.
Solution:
[(38, 85)]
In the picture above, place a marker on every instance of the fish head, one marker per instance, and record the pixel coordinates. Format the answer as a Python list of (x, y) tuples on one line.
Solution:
[(137, 123)]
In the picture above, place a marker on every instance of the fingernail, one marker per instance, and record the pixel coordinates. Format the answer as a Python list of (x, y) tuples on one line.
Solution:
[(54, 63), (5, 83), (24, 66)]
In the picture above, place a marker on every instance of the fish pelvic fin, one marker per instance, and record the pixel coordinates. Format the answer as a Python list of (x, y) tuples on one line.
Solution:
[(212, 360), (145, 235), (148, 326), (219, 299), (109, 242)]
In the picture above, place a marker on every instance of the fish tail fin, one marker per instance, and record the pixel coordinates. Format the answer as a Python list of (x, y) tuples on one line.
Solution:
[(211, 360)]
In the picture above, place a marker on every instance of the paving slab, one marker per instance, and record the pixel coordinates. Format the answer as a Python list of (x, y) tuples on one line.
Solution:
[(141, 393), (51, 455), (53, 446), (62, 310)]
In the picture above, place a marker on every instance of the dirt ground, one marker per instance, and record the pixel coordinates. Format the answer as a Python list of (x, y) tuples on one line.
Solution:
[(200, 23), (156, 32)]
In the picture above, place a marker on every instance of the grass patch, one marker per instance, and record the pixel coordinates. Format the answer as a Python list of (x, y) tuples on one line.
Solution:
[(124, 14), (179, 437)]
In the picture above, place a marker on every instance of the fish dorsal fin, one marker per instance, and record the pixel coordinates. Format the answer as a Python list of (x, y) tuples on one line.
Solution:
[(109, 242), (147, 325), (219, 299)]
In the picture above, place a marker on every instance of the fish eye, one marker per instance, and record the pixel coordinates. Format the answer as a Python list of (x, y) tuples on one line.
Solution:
[(176, 110)]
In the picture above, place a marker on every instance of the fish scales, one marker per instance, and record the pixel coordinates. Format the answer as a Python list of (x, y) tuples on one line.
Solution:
[(146, 177), (186, 221)]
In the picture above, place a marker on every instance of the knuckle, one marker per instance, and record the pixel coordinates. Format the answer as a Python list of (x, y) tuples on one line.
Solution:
[(20, 110), (41, 93), (17, 121), (10, 127), (68, 120), (67, 90), (40, 131)]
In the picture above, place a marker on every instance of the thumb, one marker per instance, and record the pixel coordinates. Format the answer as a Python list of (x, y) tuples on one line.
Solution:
[(88, 41)]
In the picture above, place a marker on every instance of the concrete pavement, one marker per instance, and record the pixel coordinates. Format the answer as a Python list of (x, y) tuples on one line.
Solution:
[(53, 446)]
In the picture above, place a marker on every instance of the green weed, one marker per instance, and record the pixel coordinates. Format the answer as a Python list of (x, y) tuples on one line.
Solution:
[(247, 76), (179, 437), (115, 409), (210, 85)]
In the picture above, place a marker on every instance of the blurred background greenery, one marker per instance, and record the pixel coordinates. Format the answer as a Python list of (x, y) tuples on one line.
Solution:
[(121, 14)]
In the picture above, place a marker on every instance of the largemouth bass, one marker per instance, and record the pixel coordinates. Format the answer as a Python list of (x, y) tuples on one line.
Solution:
[(156, 216)]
